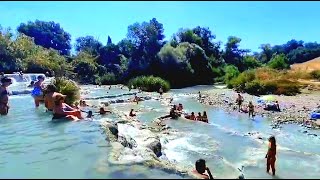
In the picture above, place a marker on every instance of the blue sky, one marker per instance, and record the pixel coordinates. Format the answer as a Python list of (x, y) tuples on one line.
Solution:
[(254, 22)]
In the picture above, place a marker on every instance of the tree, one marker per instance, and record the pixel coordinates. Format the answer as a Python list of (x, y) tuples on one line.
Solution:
[(279, 61), (231, 72), (85, 66), (109, 41), (147, 39), (233, 55), (266, 54), (48, 35), (88, 44)]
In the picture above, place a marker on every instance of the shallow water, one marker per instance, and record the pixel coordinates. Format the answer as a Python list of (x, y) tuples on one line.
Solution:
[(31, 146)]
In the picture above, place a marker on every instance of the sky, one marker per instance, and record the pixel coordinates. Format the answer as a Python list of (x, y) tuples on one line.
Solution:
[(255, 23)]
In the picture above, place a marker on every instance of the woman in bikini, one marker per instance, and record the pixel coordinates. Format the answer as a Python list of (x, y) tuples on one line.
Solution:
[(4, 95), (271, 155), (37, 92)]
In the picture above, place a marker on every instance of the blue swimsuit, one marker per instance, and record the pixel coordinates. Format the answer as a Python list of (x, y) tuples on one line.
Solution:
[(36, 91)]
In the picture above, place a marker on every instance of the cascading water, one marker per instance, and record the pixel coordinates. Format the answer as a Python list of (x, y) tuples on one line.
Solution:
[(20, 82)]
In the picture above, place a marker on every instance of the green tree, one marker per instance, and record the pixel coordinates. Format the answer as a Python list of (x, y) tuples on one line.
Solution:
[(88, 44), (231, 72), (48, 35), (85, 66)]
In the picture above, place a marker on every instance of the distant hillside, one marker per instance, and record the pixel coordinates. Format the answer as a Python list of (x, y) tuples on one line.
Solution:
[(308, 66)]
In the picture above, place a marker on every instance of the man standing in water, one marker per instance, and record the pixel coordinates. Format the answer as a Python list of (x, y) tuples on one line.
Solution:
[(239, 101), (160, 91)]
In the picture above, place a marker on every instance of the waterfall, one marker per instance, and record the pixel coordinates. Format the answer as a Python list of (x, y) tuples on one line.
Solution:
[(20, 83)]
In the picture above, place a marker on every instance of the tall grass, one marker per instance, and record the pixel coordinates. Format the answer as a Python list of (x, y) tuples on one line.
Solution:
[(149, 83)]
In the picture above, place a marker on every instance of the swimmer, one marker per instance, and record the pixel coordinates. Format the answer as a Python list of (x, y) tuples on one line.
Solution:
[(205, 117), (131, 114), (90, 115), (102, 111), (63, 110), (180, 107), (191, 117), (199, 117)]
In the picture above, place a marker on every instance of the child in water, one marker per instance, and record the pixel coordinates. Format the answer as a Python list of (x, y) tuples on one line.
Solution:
[(37, 92)]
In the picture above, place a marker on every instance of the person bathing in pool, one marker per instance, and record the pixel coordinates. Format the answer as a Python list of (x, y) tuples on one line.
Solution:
[(205, 117), (37, 92), (4, 95), (201, 169), (132, 114), (199, 117), (49, 98), (63, 110), (102, 111), (191, 117), (90, 114)]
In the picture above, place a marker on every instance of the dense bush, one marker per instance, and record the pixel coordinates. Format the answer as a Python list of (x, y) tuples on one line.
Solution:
[(149, 83), (315, 74), (230, 73), (69, 88), (279, 62)]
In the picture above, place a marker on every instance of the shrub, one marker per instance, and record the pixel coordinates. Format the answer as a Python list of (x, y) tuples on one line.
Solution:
[(315, 74), (230, 73), (69, 88), (149, 83), (279, 62), (264, 81), (107, 79)]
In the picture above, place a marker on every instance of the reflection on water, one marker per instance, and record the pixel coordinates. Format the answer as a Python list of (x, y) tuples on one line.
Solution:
[(31, 146)]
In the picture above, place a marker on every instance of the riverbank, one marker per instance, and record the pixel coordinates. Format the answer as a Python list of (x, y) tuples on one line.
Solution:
[(294, 109)]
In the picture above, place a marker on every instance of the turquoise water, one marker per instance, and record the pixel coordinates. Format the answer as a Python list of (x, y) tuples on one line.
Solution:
[(31, 146)]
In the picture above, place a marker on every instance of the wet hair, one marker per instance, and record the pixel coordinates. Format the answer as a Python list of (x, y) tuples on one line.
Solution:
[(192, 113), (89, 112), (6, 80), (51, 88), (204, 113), (201, 166), (32, 82), (101, 109), (250, 102), (199, 113), (131, 109), (272, 140), (58, 99), (40, 77)]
